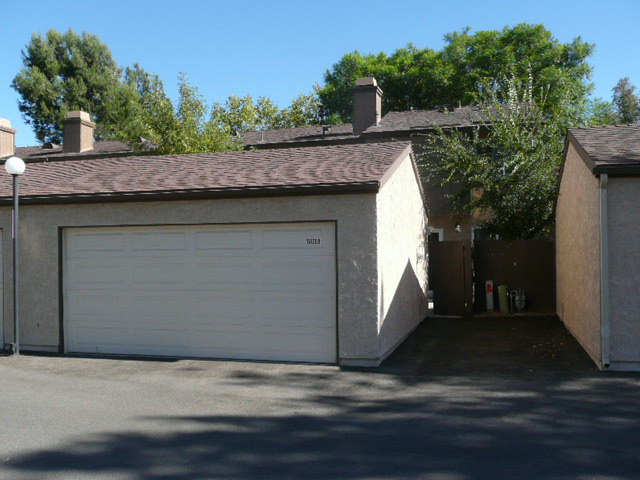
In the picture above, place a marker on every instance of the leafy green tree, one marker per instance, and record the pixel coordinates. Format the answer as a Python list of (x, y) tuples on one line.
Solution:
[(157, 126), (506, 169), (126, 102), (626, 101), (305, 109), (466, 68), (242, 114), (601, 112), (64, 72)]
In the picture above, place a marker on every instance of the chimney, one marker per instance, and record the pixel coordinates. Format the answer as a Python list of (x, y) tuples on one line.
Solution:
[(78, 132), (367, 104), (7, 138)]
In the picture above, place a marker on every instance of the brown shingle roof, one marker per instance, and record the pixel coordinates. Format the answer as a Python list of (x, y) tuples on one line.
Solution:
[(612, 149), (393, 122), (293, 169), (292, 135), (426, 120), (38, 153)]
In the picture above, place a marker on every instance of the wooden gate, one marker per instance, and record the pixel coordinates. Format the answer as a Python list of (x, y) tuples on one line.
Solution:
[(450, 277)]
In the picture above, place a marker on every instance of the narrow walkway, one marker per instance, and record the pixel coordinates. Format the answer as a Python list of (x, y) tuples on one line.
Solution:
[(490, 345)]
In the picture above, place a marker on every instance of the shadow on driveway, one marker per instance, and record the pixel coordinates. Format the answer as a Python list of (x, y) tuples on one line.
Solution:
[(456, 431), (460, 400), (491, 345)]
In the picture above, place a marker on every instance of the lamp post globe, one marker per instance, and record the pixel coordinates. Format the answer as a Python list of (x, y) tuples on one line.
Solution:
[(15, 166)]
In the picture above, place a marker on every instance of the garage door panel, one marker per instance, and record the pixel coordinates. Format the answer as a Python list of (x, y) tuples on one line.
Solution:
[(87, 336), (290, 312), (226, 342), (298, 275), (98, 242), (161, 338), (158, 242), (250, 292), (298, 241), (167, 273), (87, 275), (83, 303), (230, 239), (225, 275), (222, 308), (159, 308)]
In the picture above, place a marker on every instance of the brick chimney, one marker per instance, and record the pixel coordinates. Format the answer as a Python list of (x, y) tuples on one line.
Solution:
[(7, 138), (367, 104), (78, 132)]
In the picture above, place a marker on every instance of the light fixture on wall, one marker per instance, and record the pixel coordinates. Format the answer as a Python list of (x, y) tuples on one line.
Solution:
[(15, 167), (458, 228)]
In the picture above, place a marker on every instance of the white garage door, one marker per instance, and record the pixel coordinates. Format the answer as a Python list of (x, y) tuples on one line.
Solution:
[(262, 292)]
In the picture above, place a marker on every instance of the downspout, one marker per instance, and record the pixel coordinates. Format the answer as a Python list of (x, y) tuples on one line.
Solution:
[(604, 272)]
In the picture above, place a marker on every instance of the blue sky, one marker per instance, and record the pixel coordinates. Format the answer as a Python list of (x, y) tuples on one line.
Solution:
[(281, 48)]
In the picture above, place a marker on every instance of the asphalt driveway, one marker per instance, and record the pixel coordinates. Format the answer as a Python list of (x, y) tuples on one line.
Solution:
[(90, 418)]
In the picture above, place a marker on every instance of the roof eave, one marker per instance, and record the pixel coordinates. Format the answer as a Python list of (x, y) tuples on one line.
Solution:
[(200, 194)]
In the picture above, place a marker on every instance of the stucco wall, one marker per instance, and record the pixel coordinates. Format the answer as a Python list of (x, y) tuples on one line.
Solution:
[(402, 269), (624, 272), (355, 217), (578, 253)]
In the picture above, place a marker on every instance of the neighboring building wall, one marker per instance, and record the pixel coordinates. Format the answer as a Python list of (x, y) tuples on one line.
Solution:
[(578, 253), (402, 268), (40, 254), (449, 222), (624, 272)]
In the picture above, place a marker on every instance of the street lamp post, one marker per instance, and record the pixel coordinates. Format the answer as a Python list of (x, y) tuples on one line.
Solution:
[(15, 167)]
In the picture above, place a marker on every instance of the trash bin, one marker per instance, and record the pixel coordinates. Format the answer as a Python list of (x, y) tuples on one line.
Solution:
[(503, 298)]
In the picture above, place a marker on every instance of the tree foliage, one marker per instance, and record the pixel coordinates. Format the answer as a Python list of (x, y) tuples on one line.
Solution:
[(466, 67), (243, 114), (156, 125), (506, 169), (601, 112), (626, 101), (64, 72), (624, 106)]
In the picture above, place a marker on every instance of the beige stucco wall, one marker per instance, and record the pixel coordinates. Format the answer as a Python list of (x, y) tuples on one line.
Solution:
[(355, 217), (578, 253), (402, 269), (624, 272)]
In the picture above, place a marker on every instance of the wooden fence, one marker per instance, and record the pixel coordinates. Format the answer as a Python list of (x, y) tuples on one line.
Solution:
[(527, 264)]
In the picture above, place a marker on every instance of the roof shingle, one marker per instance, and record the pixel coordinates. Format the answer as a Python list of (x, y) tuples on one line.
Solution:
[(292, 135), (612, 148), (291, 168), (39, 153), (393, 122), (428, 119)]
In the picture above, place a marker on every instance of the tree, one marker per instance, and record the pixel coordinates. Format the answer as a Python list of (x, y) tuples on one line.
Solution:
[(64, 72), (626, 102), (125, 104), (601, 112), (506, 168), (305, 109), (242, 114), (157, 126), (465, 67)]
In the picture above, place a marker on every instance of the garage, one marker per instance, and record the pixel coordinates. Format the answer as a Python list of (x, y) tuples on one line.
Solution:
[(314, 254), (249, 291)]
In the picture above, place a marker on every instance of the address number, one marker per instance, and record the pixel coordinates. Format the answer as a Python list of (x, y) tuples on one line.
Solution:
[(313, 241)]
